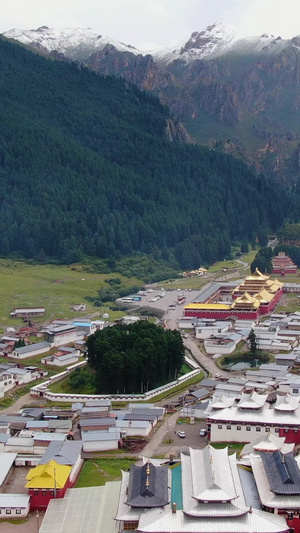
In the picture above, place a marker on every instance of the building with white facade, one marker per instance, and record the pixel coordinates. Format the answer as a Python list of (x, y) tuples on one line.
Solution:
[(61, 335), (30, 350), (252, 416)]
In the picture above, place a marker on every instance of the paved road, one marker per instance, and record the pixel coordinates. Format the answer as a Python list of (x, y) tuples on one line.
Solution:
[(158, 446), (203, 359)]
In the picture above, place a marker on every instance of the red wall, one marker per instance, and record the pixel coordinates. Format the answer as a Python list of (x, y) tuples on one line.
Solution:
[(294, 524), (291, 435), (242, 315), (41, 500)]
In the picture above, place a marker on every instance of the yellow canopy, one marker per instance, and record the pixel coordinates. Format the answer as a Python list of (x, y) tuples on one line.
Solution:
[(207, 306), (49, 476)]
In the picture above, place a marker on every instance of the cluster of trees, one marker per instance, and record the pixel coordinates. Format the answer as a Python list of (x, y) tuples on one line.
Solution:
[(135, 358), (86, 169), (112, 293), (263, 260)]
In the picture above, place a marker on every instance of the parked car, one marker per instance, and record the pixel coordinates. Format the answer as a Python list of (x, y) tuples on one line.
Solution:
[(217, 375), (181, 434), (203, 432)]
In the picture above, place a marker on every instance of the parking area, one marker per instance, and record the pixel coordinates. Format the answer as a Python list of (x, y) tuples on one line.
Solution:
[(172, 443)]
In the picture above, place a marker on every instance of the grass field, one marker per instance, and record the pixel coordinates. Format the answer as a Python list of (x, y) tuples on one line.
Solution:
[(97, 472), (54, 287)]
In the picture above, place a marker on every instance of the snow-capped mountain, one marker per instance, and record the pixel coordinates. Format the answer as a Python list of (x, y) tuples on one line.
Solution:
[(233, 92), (74, 43), (214, 41), (219, 40)]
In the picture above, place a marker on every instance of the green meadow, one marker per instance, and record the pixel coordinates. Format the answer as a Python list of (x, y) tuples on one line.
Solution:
[(55, 287)]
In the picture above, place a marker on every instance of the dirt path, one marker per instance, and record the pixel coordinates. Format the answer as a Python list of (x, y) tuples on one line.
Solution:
[(21, 402)]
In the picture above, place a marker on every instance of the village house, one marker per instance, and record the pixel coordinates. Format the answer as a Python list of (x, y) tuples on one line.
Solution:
[(31, 350), (63, 357)]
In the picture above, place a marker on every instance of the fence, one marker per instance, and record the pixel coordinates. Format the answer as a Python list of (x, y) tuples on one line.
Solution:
[(42, 389)]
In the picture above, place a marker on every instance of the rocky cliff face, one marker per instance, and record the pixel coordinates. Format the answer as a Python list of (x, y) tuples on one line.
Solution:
[(236, 94)]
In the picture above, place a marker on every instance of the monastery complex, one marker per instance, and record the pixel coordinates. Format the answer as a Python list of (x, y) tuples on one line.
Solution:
[(256, 295)]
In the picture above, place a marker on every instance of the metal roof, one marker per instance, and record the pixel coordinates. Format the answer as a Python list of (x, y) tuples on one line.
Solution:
[(16, 501), (98, 403), (92, 436), (157, 520), (64, 453), (85, 422), (84, 510), (6, 462), (33, 347)]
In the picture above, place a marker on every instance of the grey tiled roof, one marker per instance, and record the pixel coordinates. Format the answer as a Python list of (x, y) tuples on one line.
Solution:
[(148, 486), (282, 472)]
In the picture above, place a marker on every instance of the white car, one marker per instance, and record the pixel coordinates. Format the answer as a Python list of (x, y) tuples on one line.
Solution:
[(181, 434), (152, 299)]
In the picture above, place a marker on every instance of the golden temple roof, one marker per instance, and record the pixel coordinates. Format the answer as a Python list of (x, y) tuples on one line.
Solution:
[(265, 296)]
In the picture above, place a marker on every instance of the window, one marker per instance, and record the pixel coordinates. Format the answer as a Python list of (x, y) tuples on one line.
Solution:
[(44, 493), (238, 428), (18, 511), (267, 430), (276, 430), (220, 426), (248, 428), (295, 391), (296, 431), (286, 430), (36, 492), (8, 511), (258, 428), (228, 427), (129, 526)]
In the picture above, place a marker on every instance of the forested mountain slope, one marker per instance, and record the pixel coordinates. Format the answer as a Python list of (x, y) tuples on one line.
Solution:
[(86, 167)]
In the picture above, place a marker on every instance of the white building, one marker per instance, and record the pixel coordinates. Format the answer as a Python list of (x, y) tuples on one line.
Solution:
[(253, 416), (94, 441), (61, 335), (14, 506), (30, 350), (206, 330)]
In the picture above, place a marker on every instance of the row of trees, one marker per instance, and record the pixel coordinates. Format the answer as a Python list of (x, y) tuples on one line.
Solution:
[(86, 168), (135, 358)]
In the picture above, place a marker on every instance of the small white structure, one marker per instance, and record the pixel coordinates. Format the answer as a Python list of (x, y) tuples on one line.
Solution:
[(204, 330), (14, 506), (63, 357), (94, 441), (222, 344)]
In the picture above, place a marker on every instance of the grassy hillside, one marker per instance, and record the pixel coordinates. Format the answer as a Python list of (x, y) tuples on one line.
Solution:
[(54, 287)]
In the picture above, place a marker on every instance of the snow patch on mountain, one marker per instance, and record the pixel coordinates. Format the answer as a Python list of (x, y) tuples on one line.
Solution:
[(219, 40), (75, 43)]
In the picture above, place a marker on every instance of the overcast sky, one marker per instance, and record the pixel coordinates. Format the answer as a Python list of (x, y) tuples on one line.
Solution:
[(161, 22)]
